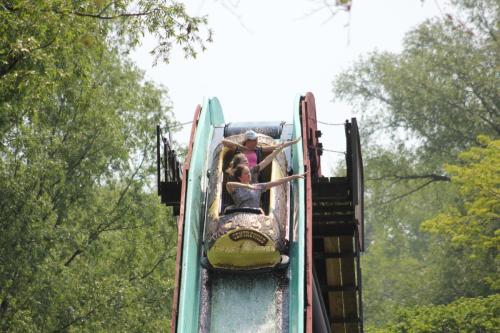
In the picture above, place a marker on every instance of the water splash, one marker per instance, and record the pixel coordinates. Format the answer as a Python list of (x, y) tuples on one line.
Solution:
[(247, 303)]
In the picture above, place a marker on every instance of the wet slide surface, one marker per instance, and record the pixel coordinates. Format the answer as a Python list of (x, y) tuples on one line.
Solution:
[(253, 303)]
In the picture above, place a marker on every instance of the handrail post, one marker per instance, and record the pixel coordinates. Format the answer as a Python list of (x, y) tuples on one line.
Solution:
[(354, 157), (158, 154)]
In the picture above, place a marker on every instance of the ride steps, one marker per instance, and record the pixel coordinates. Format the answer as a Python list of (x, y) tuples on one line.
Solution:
[(335, 253)]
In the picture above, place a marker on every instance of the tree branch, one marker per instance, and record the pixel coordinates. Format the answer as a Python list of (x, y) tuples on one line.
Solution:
[(73, 256), (367, 92), (79, 319), (106, 7), (9, 66), (432, 177), (14, 60), (102, 227), (405, 194), (145, 275), (113, 17)]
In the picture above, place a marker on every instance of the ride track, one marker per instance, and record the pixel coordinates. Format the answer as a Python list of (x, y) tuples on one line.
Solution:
[(320, 290)]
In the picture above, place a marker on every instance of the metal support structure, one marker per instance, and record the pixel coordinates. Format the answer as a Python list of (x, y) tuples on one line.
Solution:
[(169, 186), (336, 206), (325, 292)]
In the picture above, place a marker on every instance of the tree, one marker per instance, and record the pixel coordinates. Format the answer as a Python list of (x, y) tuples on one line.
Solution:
[(441, 90), (85, 244), (41, 43), (420, 109), (463, 315), (475, 228), (80, 231)]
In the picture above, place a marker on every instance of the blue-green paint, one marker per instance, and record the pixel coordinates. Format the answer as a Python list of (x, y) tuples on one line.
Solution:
[(297, 245), (189, 301)]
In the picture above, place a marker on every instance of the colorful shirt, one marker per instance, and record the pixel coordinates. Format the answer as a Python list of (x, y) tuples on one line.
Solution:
[(251, 156), (247, 198)]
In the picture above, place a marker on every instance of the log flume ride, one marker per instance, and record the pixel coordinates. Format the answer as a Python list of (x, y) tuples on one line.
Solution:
[(292, 267)]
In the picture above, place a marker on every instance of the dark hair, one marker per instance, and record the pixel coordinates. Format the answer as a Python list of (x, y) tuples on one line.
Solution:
[(238, 171), (236, 161)]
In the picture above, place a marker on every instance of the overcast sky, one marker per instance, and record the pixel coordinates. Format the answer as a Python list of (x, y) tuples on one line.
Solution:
[(265, 52)]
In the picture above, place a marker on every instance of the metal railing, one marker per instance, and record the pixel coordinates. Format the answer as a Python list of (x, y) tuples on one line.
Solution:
[(169, 182), (355, 176)]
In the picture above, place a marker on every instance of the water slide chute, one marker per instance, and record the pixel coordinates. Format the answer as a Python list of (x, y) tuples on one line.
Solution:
[(314, 292)]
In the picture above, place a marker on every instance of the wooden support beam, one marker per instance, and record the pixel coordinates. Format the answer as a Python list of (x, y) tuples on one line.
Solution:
[(318, 255), (346, 244), (333, 229), (347, 217), (333, 278)]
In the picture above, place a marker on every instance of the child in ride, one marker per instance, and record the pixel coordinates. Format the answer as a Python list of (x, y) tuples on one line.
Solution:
[(250, 154), (252, 150)]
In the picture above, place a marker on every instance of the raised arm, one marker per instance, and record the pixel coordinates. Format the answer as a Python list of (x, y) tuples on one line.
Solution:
[(231, 186), (267, 149), (269, 158), (232, 145), (265, 162), (283, 180), (289, 143)]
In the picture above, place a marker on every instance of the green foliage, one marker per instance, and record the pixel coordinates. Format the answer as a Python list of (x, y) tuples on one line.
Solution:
[(475, 228), (85, 246), (465, 315), (420, 109), (442, 89), (43, 42), (396, 266), (80, 234)]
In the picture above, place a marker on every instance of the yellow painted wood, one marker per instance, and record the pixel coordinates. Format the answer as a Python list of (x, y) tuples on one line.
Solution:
[(334, 279), (244, 253), (348, 277)]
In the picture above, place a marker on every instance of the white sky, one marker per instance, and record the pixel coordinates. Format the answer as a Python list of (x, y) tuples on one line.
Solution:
[(266, 52)]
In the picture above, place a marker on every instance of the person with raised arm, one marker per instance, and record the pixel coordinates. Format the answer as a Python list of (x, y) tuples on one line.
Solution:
[(252, 150), (247, 195), (242, 159)]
